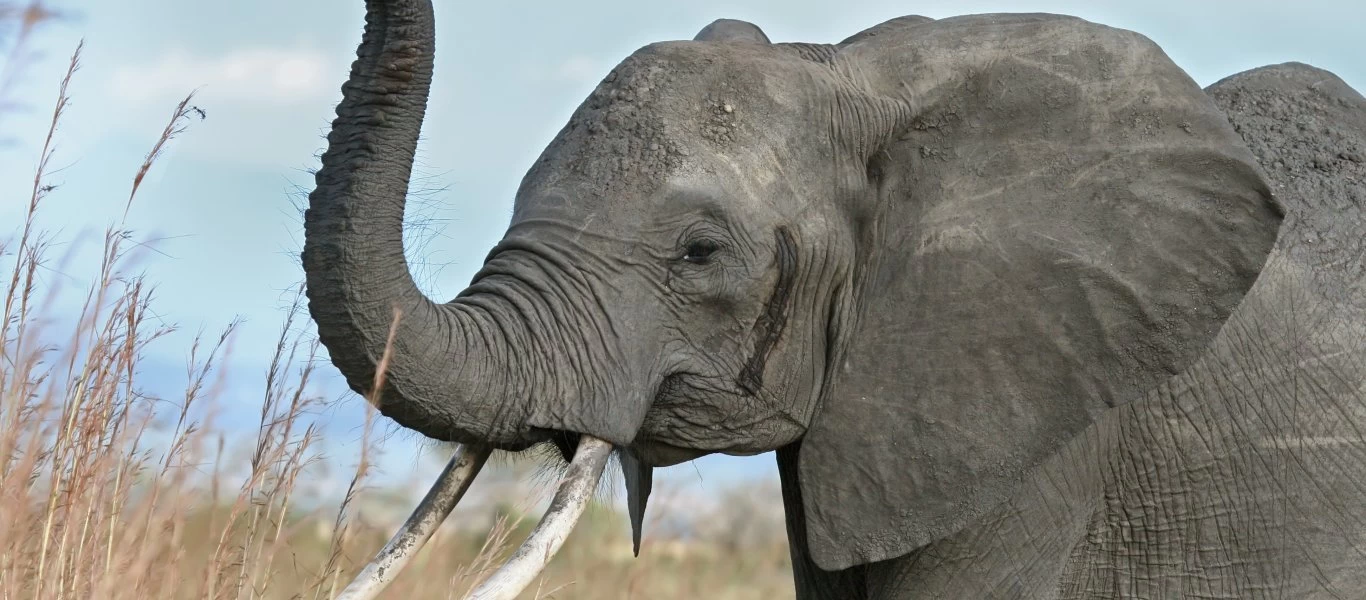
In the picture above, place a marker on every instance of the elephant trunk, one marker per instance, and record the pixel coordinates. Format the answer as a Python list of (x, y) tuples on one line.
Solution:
[(461, 371), (446, 376)]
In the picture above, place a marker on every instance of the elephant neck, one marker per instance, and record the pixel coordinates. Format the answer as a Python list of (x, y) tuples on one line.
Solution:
[(811, 582)]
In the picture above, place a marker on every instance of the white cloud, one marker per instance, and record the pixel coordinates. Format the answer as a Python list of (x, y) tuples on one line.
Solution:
[(257, 75), (266, 106)]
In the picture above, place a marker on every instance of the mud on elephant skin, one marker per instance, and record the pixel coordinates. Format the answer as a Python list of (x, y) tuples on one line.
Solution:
[(956, 272)]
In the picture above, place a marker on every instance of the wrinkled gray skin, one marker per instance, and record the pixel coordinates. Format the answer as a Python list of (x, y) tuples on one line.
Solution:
[(1010, 295)]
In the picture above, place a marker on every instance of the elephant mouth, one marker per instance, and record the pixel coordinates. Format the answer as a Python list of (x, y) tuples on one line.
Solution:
[(662, 454), (650, 452), (693, 414), (673, 393)]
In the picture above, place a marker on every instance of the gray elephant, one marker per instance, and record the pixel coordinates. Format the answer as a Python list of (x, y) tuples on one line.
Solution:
[(1024, 312)]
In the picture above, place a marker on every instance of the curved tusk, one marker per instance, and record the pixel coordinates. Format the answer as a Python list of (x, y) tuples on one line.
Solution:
[(571, 498), (450, 485)]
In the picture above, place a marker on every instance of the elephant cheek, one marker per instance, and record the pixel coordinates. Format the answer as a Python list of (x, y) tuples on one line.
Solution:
[(772, 322)]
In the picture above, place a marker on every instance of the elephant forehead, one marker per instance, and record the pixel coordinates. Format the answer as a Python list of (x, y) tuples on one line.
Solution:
[(663, 108), (673, 204)]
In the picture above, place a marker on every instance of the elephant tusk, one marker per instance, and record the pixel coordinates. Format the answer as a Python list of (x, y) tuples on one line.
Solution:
[(450, 485), (571, 498), (639, 477)]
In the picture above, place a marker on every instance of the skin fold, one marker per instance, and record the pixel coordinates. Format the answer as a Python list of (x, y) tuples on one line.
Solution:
[(1024, 312)]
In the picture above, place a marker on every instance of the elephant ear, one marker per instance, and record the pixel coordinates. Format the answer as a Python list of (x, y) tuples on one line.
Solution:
[(731, 30), (1056, 220)]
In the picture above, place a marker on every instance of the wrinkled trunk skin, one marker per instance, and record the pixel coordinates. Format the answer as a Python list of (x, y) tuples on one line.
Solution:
[(1241, 477), (454, 372)]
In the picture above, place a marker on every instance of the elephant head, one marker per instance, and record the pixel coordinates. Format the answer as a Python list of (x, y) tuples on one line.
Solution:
[(931, 254)]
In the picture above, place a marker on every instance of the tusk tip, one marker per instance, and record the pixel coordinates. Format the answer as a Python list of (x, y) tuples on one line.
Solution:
[(572, 496)]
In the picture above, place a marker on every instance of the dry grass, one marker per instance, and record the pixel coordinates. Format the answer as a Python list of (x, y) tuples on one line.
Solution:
[(106, 492)]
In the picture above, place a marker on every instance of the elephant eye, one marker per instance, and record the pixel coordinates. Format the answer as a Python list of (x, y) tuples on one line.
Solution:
[(699, 251)]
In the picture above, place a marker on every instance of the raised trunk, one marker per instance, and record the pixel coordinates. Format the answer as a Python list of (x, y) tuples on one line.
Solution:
[(443, 355)]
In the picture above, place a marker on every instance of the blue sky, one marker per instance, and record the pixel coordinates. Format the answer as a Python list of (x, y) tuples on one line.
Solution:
[(222, 201)]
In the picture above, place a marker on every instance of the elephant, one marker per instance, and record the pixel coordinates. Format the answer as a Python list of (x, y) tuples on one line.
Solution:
[(1022, 311)]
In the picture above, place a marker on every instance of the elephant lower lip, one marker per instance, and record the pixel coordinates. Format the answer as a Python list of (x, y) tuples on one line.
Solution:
[(659, 454)]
